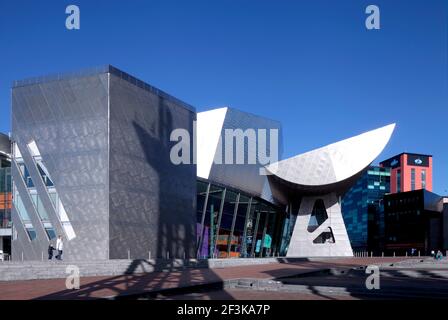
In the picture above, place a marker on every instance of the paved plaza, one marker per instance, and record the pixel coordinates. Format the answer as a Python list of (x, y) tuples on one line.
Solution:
[(335, 278)]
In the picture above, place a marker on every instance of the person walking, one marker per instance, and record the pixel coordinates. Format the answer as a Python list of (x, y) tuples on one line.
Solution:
[(50, 251), (59, 247)]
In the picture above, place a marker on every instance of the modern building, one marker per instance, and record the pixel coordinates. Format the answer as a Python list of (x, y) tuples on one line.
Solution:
[(414, 219), (308, 186), (91, 162), (236, 214), (109, 163), (409, 171), (363, 210), (5, 195)]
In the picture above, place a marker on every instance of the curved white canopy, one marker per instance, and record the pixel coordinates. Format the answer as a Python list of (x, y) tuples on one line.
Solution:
[(333, 163)]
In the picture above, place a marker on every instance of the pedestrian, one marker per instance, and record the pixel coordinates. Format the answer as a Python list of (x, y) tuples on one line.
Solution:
[(439, 255), (50, 251), (59, 247)]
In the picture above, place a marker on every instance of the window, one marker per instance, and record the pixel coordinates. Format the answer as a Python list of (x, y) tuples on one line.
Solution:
[(412, 179), (34, 151), (23, 215), (54, 197), (38, 205), (423, 179), (398, 180), (25, 175)]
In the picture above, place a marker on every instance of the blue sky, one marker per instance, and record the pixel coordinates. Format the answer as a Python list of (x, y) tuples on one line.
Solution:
[(310, 64)]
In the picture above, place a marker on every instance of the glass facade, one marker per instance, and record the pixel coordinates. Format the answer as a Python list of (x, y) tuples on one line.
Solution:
[(35, 199), (363, 209), (231, 224), (23, 215), (5, 197)]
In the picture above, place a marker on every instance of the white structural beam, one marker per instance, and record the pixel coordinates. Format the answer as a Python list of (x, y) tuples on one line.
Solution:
[(209, 126)]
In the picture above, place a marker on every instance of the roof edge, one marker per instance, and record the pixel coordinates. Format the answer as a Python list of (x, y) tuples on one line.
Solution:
[(100, 70)]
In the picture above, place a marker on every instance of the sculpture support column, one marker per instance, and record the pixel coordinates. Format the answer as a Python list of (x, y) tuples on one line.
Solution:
[(302, 244)]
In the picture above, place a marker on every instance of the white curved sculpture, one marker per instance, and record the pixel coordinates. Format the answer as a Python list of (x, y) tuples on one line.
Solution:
[(335, 162), (321, 176)]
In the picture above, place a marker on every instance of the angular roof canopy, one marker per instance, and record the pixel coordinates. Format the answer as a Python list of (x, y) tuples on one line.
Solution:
[(333, 167)]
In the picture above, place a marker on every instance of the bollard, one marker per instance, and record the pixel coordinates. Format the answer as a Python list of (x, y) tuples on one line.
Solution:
[(394, 254), (168, 255), (149, 255), (22, 255), (371, 254), (42, 255), (419, 253), (129, 254), (382, 254), (406, 254)]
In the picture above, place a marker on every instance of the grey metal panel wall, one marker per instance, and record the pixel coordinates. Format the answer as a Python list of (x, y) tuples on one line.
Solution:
[(245, 177), (152, 201), (5, 145), (68, 119)]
